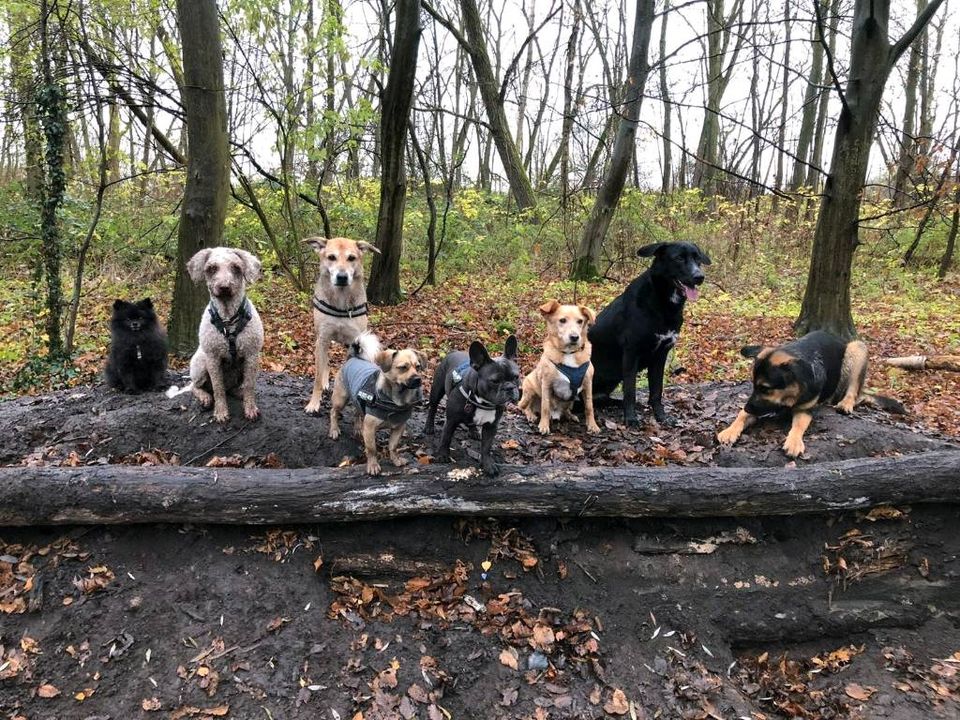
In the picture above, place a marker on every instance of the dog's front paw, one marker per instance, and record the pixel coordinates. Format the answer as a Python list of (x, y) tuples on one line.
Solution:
[(334, 432), (530, 414), (592, 427), (664, 419), (490, 468), (313, 407), (845, 406), (221, 414), (632, 421), (544, 427), (251, 412), (373, 467), (793, 446), (728, 436)]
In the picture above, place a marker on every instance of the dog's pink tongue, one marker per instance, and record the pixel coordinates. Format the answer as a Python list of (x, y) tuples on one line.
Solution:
[(692, 293)]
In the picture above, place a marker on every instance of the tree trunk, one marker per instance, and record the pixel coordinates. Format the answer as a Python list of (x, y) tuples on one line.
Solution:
[(784, 104), (520, 186), (809, 115), (128, 494), (20, 20), (826, 302), (588, 254), (928, 85), (667, 182), (384, 285), (948, 251), (204, 204), (907, 159), (52, 112), (719, 31), (569, 106), (816, 155)]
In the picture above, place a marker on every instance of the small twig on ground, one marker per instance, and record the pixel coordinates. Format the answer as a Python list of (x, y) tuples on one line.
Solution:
[(219, 444), (585, 571)]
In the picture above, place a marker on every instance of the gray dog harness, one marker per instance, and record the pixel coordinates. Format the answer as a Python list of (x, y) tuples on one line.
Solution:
[(461, 373), (360, 377), (231, 329)]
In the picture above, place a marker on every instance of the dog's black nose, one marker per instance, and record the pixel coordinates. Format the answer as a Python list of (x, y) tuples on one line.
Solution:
[(342, 279), (698, 278), (574, 338), (414, 382)]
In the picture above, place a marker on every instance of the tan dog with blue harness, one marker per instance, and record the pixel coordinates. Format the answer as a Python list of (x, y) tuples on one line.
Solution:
[(564, 370)]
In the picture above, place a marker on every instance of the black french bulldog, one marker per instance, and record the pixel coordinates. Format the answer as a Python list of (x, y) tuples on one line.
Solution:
[(478, 388)]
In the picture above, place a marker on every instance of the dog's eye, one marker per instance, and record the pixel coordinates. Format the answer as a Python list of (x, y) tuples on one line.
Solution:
[(580, 321), (351, 258), (235, 269), (403, 368), (332, 257), (211, 269), (563, 321)]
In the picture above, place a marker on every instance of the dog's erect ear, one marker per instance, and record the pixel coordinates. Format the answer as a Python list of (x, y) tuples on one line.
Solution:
[(120, 305), (478, 355), (196, 264), (704, 258), (752, 351), (650, 250), (317, 243), (510, 348), (589, 314), (549, 307), (384, 359), (367, 247), (145, 304), (251, 265)]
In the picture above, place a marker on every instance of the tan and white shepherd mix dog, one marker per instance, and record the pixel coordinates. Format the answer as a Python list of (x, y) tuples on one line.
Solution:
[(564, 369), (339, 303)]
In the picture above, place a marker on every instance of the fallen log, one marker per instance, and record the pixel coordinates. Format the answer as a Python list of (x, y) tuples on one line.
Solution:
[(117, 494), (925, 362)]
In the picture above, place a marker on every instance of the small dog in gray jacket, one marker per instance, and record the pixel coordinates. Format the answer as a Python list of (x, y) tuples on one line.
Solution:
[(384, 386)]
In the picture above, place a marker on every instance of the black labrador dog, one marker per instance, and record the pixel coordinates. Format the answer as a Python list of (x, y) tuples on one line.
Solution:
[(638, 329)]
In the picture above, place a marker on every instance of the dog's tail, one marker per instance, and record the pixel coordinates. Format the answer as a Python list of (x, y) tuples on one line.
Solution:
[(365, 347), (173, 390), (882, 402)]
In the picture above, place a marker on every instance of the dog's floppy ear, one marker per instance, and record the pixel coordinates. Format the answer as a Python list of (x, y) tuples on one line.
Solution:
[(367, 247), (317, 243), (384, 359), (704, 258), (510, 348), (752, 351), (650, 250), (549, 307), (589, 314), (421, 358), (478, 355), (251, 265), (196, 264)]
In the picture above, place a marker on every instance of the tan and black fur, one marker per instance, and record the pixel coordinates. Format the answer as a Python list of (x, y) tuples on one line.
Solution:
[(796, 377), (398, 386), (547, 391)]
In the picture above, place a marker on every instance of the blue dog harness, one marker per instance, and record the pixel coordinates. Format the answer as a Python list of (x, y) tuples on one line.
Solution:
[(575, 375), (230, 329), (360, 377)]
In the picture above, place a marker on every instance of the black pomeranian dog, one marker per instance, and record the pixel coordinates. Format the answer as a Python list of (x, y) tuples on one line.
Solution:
[(138, 348)]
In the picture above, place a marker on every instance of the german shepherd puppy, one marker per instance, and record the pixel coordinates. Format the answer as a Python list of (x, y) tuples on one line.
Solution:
[(796, 377)]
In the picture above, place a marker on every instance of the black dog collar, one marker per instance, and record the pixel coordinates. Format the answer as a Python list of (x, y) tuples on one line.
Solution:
[(328, 309), (231, 329)]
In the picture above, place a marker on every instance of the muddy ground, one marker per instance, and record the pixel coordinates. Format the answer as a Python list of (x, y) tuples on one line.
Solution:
[(841, 615)]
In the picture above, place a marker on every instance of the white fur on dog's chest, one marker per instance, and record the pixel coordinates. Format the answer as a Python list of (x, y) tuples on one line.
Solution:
[(482, 416), (669, 338)]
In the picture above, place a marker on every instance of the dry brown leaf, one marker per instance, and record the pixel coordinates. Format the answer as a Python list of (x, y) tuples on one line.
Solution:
[(617, 705), (151, 704), (510, 658), (858, 692), (47, 691)]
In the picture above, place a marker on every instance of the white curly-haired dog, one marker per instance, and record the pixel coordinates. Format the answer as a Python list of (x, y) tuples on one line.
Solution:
[(231, 333)]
